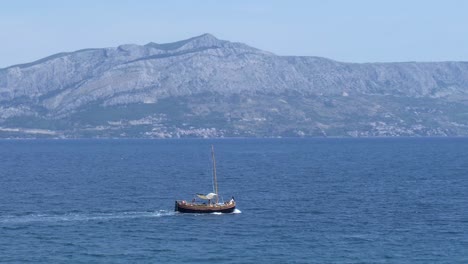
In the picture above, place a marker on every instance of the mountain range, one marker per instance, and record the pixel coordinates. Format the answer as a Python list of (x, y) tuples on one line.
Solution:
[(207, 87)]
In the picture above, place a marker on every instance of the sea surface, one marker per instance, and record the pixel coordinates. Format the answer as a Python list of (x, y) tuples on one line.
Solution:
[(387, 200)]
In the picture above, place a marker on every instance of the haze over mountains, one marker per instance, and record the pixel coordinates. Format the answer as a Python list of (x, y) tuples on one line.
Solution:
[(206, 87)]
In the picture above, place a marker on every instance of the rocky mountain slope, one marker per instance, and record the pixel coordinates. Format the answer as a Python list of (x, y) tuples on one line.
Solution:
[(206, 87)]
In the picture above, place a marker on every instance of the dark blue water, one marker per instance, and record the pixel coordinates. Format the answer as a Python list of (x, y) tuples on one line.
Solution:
[(300, 201)]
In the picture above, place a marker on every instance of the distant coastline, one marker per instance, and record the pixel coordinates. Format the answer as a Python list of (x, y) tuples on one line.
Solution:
[(204, 87)]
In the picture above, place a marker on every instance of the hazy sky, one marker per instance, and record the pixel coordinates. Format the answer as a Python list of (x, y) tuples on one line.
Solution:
[(353, 31)]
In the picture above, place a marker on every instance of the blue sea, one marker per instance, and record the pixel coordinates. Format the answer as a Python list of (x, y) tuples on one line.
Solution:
[(386, 200)]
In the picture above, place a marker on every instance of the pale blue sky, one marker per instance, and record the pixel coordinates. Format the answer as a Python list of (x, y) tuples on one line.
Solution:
[(353, 31)]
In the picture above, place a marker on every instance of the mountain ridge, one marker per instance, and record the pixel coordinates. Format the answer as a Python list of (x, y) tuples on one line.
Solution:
[(230, 88)]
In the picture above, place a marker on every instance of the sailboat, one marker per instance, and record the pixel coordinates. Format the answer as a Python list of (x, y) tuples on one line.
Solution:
[(212, 204)]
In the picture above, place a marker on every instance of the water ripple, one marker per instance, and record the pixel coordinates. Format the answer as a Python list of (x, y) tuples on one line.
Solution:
[(31, 218)]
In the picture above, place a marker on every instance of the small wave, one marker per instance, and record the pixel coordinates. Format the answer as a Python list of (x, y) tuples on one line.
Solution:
[(236, 211), (81, 217)]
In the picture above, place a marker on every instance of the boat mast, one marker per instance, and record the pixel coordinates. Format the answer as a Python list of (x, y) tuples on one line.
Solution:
[(214, 173)]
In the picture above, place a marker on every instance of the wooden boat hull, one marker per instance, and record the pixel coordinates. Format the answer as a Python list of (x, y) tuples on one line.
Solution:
[(183, 207)]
